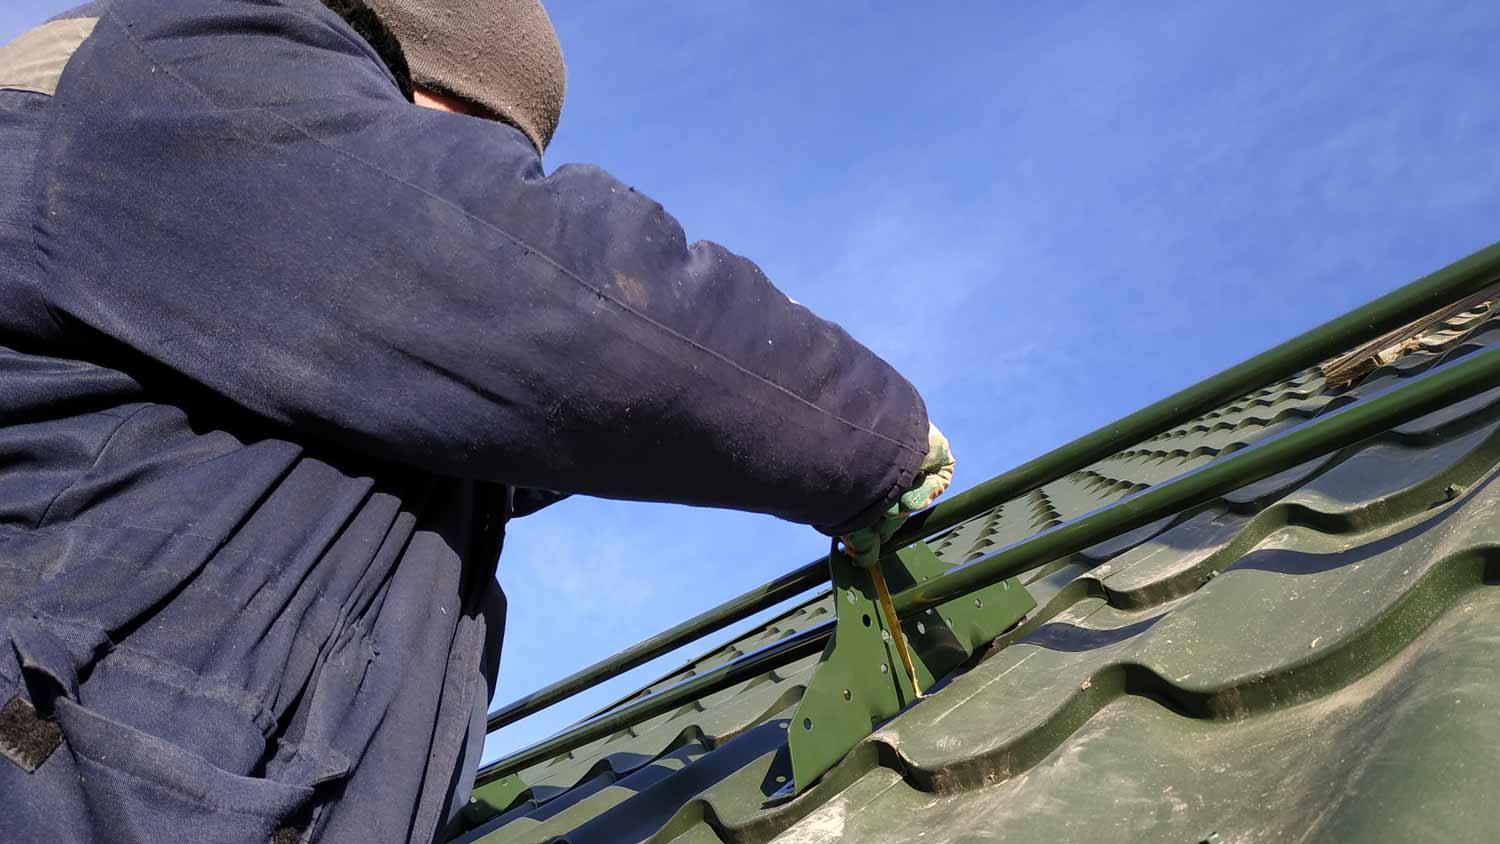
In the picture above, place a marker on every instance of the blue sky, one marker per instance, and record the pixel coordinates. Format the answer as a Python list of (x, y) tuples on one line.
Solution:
[(1046, 215)]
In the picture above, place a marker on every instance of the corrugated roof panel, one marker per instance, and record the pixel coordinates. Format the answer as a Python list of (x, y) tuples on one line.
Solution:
[(1310, 658)]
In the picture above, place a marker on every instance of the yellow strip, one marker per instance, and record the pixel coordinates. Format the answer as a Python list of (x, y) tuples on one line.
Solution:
[(893, 624)]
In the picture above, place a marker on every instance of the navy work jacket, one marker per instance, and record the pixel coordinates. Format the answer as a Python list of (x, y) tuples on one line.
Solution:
[(275, 348)]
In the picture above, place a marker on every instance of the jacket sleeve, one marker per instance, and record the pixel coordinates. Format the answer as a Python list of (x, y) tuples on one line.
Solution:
[(238, 192)]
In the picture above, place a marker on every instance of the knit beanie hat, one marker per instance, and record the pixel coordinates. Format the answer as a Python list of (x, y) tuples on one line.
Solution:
[(501, 57)]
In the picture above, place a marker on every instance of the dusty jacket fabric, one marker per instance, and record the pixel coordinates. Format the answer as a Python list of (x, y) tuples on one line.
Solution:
[(274, 347)]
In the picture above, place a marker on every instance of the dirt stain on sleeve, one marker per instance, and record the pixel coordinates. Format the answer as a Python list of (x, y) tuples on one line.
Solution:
[(632, 290)]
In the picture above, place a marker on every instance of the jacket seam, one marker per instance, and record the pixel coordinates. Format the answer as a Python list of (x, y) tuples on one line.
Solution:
[(99, 455), (279, 572), (34, 185), (524, 245), (213, 804), (244, 701), (261, 712), (904, 477)]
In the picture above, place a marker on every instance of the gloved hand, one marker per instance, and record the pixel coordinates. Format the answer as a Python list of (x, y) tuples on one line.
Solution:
[(936, 472)]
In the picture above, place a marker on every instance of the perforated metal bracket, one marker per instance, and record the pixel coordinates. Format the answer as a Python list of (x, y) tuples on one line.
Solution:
[(491, 800), (860, 681)]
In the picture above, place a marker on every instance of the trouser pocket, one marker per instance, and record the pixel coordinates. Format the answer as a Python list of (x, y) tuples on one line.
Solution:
[(108, 781)]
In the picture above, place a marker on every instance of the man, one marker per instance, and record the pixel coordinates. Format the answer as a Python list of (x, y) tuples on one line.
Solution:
[(280, 353)]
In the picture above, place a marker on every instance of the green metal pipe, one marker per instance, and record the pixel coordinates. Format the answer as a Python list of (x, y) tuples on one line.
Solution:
[(806, 643), (661, 681), (1348, 426), (746, 605), (1389, 312), (1355, 423), (1393, 310)]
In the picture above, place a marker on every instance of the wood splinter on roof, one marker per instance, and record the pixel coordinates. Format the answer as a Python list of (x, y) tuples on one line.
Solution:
[(1430, 332)]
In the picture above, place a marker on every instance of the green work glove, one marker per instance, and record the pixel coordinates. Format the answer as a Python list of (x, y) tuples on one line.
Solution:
[(935, 473)]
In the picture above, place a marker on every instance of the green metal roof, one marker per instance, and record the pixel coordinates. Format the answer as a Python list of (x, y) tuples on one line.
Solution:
[(1311, 658)]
